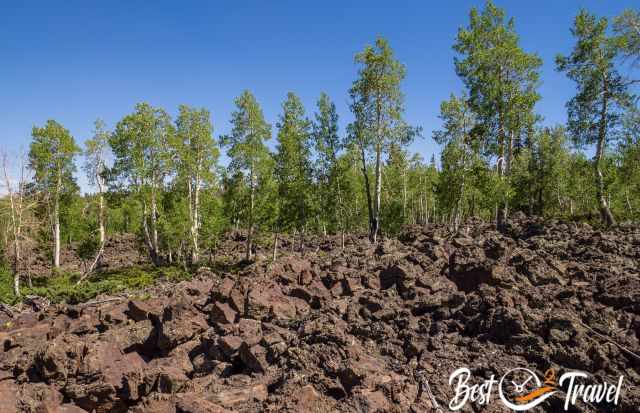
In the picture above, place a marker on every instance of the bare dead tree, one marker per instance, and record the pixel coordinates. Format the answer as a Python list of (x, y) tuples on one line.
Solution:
[(16, 194)]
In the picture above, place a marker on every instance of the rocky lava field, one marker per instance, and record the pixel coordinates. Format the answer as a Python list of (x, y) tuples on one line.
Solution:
[(364, 329)]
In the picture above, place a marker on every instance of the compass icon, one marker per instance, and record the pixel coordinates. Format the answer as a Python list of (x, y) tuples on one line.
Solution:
[(521, 389), (518, 382)]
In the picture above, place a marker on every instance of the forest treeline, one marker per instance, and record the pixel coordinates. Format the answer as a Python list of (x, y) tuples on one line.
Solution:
[(160, 178)]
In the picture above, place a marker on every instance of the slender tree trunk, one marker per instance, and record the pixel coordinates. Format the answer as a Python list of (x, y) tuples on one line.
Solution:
[(340, 213), (376, 218), (605, 212), (510, 155), (275, 245), (101, 223), (194, 204), (16, 271), (458, 216), (154, 221), (16, 221), (571, 206), (367, 189), (249, 252), (404, 196), (501, 213), (147, 235), (56, 233), (101, 231)]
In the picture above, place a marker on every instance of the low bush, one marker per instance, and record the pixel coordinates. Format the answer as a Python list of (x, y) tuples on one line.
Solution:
[(62, 286)]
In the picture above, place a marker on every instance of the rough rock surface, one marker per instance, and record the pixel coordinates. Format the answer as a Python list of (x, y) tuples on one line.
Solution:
[(357, 330)]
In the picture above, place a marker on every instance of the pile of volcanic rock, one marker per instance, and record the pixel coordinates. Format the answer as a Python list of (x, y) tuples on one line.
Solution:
[(364, 329)]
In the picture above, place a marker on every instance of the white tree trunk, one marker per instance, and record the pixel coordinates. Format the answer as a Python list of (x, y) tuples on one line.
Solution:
[(195, 221), (56, 235), (376, 220)]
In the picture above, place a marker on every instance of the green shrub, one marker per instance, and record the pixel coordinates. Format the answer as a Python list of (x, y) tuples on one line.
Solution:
[(6, 286), (62, 287)]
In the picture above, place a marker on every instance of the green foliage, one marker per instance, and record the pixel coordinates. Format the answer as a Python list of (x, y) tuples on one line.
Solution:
[(540, 174), (378, 102), (595, 112), (51, 157), (246, 142), (330, 196), (165, 184), (62, 287), (378, 108), (140, 145), (591, 65), (96, 155), (500, 77), (7, 295), (194, 151), (627, 27), (293, 166), (251, 163), (627, 185)]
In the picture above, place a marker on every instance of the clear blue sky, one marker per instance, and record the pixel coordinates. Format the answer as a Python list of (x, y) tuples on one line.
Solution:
[(75, 61)]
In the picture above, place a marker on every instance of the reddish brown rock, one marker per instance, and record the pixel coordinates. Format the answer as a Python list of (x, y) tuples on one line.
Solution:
[(180, 323), (229, 344), (222, 313), (8, 396), (254, 357), (146, 310), (250, 331), (59, 359), (193, 403), (230, 397)]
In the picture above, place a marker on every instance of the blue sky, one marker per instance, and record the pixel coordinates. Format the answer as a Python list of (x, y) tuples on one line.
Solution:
[(75, 61)]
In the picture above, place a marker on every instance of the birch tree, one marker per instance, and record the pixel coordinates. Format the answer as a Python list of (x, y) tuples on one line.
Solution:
[(378, 107), (195, 154), (51, 157), (248, 152), (459, 122), (140, 145), (96, 151)]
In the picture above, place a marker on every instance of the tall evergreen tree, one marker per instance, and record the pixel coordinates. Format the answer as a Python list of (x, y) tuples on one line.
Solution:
[(501, 79), (602, 94)]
